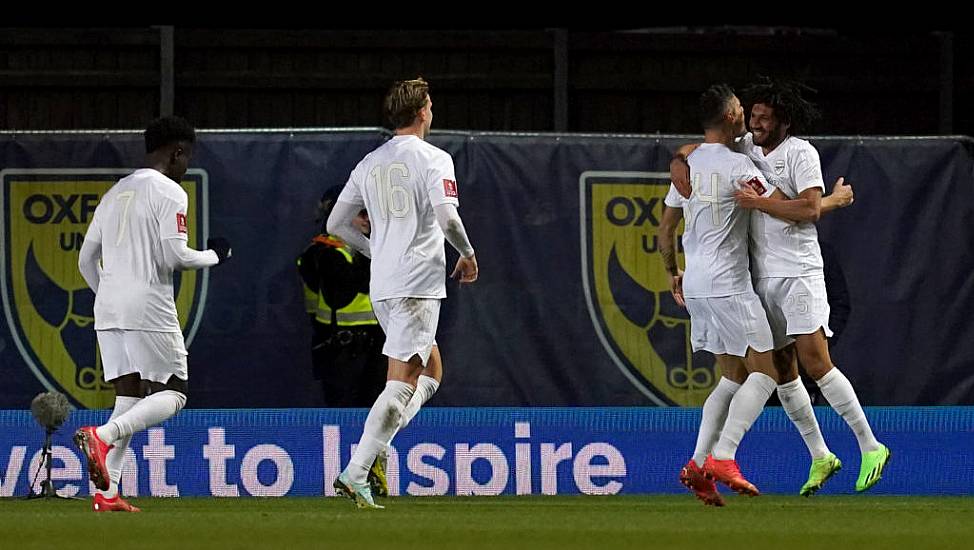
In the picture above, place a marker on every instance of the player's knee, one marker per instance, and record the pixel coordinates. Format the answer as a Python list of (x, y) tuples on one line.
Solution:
[(762, 362), (178, 390), (817, 369), (816, 364), (738, 377), (786, 373), (179, 400), (177, 384)]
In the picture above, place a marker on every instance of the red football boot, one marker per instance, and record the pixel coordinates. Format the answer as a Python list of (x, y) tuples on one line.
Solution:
[(728, 473), (693, 478), (95, 450), (117, 504)]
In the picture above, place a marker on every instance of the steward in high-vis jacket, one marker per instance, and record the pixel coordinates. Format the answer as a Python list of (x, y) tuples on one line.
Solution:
[(347, 341)]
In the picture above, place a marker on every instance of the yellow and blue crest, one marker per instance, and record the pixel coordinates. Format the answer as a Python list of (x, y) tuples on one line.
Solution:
[(48, 307), (644, 331)]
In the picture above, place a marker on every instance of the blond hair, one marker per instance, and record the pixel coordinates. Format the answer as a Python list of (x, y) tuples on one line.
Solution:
[(404, 101)]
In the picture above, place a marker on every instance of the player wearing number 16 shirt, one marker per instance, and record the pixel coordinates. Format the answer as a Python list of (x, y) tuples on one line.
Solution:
[(409, 189)]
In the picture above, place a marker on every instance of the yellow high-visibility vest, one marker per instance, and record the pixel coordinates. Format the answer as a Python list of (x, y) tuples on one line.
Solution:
[(358, 311), (310, 296)]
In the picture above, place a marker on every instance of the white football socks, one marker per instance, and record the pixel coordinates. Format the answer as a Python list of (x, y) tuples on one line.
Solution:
[(713, 417), (426, 386), (798, 406), (152, 410), (839, 392), (744, 409), (380, 426), (116, 456)]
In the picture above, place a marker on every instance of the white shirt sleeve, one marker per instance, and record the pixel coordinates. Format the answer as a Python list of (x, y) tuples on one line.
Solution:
[(452, 226), (171, 213), (180, 257), (673, 198), (748, 173), (441, 181), (806, 169), (90, 253), (340, 224), (94, 228), (352, 193), (88, 259)]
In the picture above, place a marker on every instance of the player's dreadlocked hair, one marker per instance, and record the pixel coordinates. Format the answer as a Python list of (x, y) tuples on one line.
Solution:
[(166, 130), (785, 97), (713, 105), (405, 99)]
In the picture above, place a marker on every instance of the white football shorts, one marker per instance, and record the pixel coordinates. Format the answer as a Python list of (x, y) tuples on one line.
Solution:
[(410, 326), (154, 355), (729, 324), (795, 305)]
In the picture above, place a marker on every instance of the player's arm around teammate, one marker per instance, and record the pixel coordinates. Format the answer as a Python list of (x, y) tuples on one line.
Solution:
[(808, 207)]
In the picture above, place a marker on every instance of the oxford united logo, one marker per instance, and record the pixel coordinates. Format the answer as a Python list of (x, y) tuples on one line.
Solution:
[(47, 304), (642, 328)]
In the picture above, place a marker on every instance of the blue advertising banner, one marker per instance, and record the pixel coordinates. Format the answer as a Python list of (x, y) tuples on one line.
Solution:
[(571, 309), (487, 451)]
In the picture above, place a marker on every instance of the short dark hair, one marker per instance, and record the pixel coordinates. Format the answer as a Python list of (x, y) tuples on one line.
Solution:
[(404, 101), (168, 130), (713, 104), (785, 97)]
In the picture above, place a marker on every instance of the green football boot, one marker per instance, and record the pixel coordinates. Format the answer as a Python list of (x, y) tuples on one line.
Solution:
[(873, 464), (820, 472)]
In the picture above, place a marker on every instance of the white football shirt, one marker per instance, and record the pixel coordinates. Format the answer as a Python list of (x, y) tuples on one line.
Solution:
[(780, 248), (715, 234), (673, 198), (135, 290), (399, 184)]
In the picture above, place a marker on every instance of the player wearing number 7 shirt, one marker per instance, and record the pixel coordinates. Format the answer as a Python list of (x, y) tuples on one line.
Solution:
[(136, 239), (409, 189)]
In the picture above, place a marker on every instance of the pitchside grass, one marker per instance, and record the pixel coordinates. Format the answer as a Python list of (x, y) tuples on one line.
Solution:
[(601, 523)]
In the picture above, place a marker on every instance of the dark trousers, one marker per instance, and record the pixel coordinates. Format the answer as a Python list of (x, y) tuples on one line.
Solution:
[(350, 365)]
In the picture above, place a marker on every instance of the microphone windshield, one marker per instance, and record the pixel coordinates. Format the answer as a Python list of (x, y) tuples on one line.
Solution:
[(50, 409)]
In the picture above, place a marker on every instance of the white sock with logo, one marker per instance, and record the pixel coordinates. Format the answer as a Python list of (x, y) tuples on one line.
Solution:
[(116, 456), (380, 426), (839, 392), (152, 410), (798, 406), (745, 408), (713, 416)]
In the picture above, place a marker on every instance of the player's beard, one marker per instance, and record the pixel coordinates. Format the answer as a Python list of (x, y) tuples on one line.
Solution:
[(772, 138)]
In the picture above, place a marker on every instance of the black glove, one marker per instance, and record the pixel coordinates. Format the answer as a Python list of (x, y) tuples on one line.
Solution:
[(222, 248)]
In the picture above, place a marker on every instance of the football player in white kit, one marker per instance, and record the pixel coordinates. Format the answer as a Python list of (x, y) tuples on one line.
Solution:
[(409, 189), (788, 267), (135, 241), (726, 317), (732, 371), (791, 257), (714, 412)]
